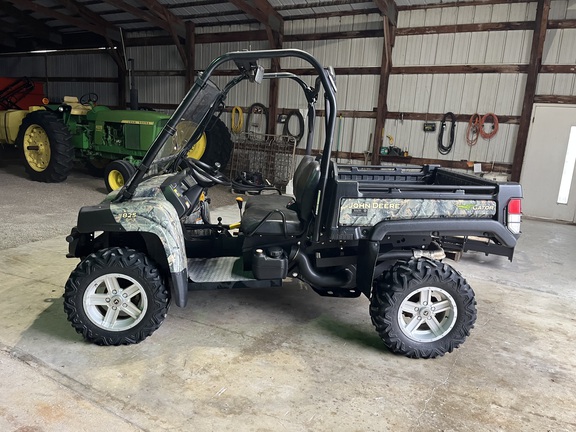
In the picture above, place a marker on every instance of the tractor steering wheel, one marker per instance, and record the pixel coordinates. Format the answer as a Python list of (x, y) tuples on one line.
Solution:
[(203, 172), (89, 98)]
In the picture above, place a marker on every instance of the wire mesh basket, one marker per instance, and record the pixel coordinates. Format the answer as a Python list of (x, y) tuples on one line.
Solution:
[(270, 155)]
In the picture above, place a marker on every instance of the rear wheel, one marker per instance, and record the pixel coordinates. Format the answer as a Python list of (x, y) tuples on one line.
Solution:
[(215, 146), (422, 308), (116, 296), (117, 173), (46, 146)]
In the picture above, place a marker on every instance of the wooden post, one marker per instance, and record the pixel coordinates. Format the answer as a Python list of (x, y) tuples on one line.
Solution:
[(275, 40), (190, 54), (382, 109), (538, 38)]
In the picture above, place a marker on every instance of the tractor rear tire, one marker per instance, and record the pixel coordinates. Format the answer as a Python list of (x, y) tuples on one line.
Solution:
[(218, 144), (46, 147), (117, 173)]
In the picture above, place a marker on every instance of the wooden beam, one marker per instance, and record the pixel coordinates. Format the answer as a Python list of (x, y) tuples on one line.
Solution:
[(563, 69), (108, 32), (562, 24), (176, 26), (256, 35), (142, 15), (459, 69), (33, 26), (382, 108), (388, 9), (190, 54), (263, 12), (456, 4), (93, 18), (275, 41), (567, 100), (465, 28), (432, 117), (538, 38)]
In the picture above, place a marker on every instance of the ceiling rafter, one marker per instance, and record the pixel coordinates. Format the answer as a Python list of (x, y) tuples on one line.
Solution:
[(147, 16), (176, 26), (92, 17), (34, 27), (108, 31), (389, 9), (263, 12)]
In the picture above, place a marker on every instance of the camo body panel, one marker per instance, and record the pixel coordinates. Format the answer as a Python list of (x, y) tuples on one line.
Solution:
[(370, 211), (149, 211)]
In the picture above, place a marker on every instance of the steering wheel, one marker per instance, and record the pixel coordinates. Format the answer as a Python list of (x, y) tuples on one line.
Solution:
[(89, 98), (203, 172)]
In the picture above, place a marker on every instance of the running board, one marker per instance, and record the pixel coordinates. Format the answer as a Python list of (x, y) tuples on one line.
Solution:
[(223, 273)]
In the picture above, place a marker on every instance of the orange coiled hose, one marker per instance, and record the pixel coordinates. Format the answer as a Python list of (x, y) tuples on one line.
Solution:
[(494, 131), (473, 130)]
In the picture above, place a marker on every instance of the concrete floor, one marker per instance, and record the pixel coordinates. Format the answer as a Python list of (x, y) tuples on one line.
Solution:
[(280, 359)]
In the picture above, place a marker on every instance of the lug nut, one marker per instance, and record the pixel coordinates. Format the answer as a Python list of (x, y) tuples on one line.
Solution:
[(114, 292), (124, 305), (124, 295), (114, 307), (108, 300)]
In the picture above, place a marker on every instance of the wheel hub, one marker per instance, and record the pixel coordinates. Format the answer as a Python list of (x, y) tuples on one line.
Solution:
[(37, 148), (427, 314)]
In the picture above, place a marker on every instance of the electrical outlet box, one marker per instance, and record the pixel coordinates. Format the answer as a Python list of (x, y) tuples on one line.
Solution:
[(429, 127)]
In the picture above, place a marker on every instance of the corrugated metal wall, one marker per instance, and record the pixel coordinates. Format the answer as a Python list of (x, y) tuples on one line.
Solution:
[(460, 93), (84, 66), (424, 93)]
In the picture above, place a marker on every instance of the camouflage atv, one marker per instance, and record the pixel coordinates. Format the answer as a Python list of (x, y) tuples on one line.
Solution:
[(349, 230)]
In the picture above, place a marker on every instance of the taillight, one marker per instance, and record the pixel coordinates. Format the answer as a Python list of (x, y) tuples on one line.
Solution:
[(514, 215)]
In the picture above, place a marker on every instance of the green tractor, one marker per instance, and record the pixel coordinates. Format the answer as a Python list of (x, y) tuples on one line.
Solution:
[(110, 142)]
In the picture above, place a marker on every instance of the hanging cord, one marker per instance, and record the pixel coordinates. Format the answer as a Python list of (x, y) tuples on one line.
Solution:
[(495, 125), (286, 130), (441, 147), (237, 119), (473, 130), (257, 108)]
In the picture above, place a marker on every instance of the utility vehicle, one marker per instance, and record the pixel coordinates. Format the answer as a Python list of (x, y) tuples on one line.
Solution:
[(349, 230)]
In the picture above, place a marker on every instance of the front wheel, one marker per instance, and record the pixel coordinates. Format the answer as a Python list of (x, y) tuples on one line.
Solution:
[(422, 308), (116, 296), (117, 174)]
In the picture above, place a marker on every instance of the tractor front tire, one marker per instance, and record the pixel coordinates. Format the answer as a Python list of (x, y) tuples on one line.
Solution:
[(116, 296), (422, 308), (117, 173), (46, 147)]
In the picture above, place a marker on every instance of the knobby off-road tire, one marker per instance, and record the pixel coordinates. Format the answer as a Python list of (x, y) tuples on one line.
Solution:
[(422, 308), (116, 296), (46, 147), (218, 144)]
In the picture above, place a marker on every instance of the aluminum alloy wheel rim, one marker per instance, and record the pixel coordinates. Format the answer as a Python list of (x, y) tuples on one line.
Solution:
[(427, 314), (115, 302)]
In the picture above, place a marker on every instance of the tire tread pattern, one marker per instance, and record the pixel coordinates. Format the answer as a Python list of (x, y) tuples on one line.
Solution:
[(117, 258), (395, 285)]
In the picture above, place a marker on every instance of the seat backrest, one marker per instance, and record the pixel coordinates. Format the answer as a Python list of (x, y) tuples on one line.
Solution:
[(306, 180)]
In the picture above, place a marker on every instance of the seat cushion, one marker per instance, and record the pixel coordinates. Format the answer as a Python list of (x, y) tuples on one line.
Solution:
[(253, 222), (268, 201)]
